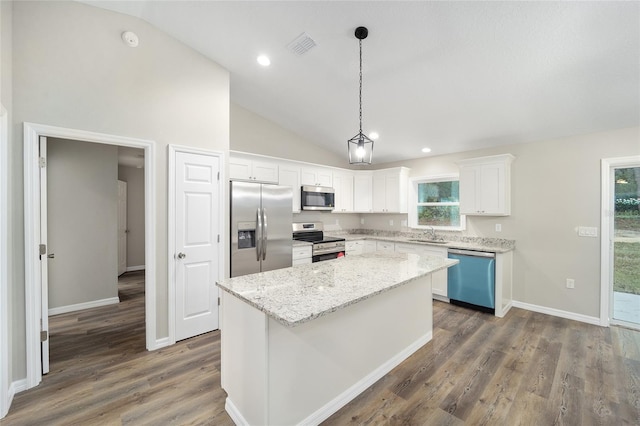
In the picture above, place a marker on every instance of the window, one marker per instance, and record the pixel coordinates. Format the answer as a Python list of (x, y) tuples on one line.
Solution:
[(435, 202)]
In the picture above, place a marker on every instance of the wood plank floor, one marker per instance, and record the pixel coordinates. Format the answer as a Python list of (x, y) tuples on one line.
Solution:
[(525, 369)]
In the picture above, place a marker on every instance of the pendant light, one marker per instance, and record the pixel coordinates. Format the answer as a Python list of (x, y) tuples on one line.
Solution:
[(360, 147)]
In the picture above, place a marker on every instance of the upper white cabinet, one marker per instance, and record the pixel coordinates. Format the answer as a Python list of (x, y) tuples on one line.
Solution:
[(363, 192), (241, 168), (317, 176), (289, 175), (485, 185), (390, 190), (343, 186)]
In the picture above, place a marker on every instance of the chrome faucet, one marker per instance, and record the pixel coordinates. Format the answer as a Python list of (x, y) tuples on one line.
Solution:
[(431, 233)]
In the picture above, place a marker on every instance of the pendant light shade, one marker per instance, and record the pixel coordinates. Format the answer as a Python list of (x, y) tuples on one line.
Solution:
[(360, 147)]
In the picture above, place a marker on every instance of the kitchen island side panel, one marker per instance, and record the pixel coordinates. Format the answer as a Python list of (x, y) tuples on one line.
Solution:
[(244, 360), (317, 367)]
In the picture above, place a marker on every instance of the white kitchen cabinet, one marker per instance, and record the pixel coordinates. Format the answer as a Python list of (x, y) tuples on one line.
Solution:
[(385, 246), (316, 176), (242, 168), (343, 186), (390, 190), (363, 192), (289, 175), (301, 255), (485, 186), (370, 246), (353, 248), (504, 283)]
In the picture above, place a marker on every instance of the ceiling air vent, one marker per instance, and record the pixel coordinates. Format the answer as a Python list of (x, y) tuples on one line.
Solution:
[(302, 44)]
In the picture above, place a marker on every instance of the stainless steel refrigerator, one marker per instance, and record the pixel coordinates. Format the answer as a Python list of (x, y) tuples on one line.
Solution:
[(261, 227)]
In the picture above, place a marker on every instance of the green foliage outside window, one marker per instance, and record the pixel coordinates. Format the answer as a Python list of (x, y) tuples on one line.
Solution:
[(438, 203)]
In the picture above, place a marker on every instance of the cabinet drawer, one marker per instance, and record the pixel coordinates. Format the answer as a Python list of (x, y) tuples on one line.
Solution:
[(301, 252), (301, 261), (385, 246)]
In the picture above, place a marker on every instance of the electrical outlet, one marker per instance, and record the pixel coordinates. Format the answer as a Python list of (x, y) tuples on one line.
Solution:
[(587, 231), (571, 283), (390, 222), (498, 227), (362, 221)]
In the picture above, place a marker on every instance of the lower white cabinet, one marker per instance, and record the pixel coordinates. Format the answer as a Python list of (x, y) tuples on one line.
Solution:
[(439, 278), (370, 246), (354, 247), (301, 255)]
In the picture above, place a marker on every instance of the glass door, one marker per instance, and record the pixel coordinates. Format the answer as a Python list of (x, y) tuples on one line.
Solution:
[(626, 247)]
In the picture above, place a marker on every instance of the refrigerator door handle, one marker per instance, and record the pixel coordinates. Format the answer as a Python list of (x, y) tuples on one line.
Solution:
[(258, 234), (265, 239)]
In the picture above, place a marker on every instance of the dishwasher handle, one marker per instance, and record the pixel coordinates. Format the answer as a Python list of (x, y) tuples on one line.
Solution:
[(472, 253)]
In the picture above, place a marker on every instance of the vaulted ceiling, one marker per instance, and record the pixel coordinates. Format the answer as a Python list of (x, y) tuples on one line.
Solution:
[(451, 76)]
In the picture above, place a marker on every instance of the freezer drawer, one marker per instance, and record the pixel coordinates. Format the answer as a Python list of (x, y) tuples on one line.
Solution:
[(472, 281)]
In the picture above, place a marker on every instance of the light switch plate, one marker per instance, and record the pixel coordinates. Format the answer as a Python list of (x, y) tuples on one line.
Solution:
[(587, 231), (498, 227), (390, 222)]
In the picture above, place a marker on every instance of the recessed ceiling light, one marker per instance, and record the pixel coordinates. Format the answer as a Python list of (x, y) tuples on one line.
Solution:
[(264, 60), (374, 135), (425, 150)]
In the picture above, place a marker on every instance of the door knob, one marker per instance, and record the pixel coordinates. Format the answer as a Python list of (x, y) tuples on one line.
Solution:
[(181, 255), (51, 256)]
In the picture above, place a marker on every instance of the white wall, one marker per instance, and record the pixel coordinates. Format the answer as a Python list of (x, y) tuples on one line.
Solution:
[(555, 188), (82, 200), (71, 69), (255, 134), (135, 213)]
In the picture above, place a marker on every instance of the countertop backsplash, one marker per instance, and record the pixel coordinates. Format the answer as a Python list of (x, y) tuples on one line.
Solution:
[(417, 234)]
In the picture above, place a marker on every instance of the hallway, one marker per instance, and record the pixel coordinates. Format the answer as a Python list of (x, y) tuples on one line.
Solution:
[(101, 372)]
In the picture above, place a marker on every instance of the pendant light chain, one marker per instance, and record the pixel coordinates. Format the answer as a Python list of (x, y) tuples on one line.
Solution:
[(360, 94), (360, 147)]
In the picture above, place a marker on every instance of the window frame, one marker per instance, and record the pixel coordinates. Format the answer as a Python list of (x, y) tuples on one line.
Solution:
[(413, 202)]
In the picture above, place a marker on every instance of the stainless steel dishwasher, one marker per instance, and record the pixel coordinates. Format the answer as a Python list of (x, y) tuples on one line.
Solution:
[(471, 282)]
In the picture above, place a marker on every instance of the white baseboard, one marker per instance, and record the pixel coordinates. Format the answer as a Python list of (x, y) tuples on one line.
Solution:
[(345, 397), (557, 313), (161, 343), (234, 413), (85, 305), (17, 387), (441, 298), (134, 268)]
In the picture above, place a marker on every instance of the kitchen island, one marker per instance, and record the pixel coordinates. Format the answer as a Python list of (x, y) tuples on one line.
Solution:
[(301, 342)]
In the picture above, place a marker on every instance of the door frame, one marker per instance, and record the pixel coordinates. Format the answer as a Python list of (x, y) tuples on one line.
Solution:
[(606, 232), (172, 150), (6, 394), (33, 290)]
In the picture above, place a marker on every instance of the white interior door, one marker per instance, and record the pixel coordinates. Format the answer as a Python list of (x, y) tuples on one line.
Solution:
[(44, 270), (197, 204), (122, 227)]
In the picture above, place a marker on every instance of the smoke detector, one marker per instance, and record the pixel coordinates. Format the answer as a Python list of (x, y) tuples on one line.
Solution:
[(130, 39)]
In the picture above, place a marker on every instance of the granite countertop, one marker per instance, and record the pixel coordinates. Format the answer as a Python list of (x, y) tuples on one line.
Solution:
[(297, 243), (299, 294), (493, 245)]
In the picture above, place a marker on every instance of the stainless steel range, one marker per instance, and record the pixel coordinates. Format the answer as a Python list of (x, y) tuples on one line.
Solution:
[(324, 248)]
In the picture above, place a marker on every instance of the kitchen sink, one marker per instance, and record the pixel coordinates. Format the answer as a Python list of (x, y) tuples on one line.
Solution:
[(422, 240)]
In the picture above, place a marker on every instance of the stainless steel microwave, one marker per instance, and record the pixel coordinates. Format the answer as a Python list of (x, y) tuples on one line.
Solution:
[(317, 198)]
